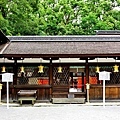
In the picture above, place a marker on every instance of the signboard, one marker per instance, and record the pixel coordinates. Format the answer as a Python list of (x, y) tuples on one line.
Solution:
[(104, 75), (7, 77)]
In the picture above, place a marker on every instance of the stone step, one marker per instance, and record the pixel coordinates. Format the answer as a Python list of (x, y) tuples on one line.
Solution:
[(68, 100)]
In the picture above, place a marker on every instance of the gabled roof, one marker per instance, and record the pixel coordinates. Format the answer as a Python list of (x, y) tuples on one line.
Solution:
[(63, 46), (3, 41), (3, 38)]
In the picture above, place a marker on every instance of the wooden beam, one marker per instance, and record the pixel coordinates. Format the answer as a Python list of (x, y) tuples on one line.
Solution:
[(15, 58), (49, 58), (45, 56)]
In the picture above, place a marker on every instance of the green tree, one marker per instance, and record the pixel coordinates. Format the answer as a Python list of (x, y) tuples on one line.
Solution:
[(58, 17)]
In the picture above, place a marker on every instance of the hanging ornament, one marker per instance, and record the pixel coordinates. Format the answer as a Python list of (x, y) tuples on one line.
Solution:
[(59, 69), (40, 69), (22, 69), (116, 68), (3, 69), (97, 69)]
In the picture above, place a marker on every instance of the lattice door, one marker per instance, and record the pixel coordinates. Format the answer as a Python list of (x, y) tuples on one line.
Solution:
[(61, 78)]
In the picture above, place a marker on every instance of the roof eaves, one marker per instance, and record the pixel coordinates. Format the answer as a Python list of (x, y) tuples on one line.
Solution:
[(3, 37), (4, 48)]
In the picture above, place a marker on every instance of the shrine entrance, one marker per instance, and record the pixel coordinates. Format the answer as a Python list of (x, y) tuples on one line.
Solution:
[(69, 85)]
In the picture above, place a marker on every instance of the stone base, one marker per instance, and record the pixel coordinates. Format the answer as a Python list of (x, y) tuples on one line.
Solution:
[(68, 100)]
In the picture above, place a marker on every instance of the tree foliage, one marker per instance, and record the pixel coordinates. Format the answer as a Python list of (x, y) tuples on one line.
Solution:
[(58, 17)]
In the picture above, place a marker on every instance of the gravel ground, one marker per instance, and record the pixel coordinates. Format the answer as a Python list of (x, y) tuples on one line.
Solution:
[(66, 112)]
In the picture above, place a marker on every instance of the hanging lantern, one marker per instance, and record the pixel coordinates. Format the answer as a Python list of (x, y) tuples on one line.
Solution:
[(22, 69), (59, 69), (40, 69), (116, 68), (3, 69), (97, 69)]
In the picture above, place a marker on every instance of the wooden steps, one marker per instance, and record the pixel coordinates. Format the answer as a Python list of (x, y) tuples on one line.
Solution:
[(61, 94), (60, 91)]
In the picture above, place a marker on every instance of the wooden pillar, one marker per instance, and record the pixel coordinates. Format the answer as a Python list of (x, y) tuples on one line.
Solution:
[(14, 91), (15, 72), (51, 78), (87, 71), (83, 82), (87, 75)]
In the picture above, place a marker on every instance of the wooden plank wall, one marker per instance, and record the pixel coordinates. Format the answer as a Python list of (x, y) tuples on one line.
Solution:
[(111, 92), (43, 92)]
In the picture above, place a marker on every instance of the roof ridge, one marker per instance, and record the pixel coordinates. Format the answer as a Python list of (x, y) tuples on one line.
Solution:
[(93, 38)]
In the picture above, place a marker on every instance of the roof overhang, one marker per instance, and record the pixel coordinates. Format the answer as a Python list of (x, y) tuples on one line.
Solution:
[(54, 47)]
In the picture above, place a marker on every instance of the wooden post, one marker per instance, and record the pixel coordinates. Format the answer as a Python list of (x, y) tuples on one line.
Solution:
[(87, 71), (87, 74), (51, 78), (83, 82), (14, 79), (15, 72)]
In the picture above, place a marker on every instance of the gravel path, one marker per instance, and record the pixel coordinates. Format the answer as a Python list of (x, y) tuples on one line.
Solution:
[(68, 112)]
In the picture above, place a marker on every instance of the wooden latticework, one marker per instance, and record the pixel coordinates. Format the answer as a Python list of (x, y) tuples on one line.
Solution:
[(94, 77), (32, 77), (61, 78)]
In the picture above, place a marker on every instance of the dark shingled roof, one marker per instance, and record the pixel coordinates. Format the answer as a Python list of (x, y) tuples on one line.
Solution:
[(64, 45)]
